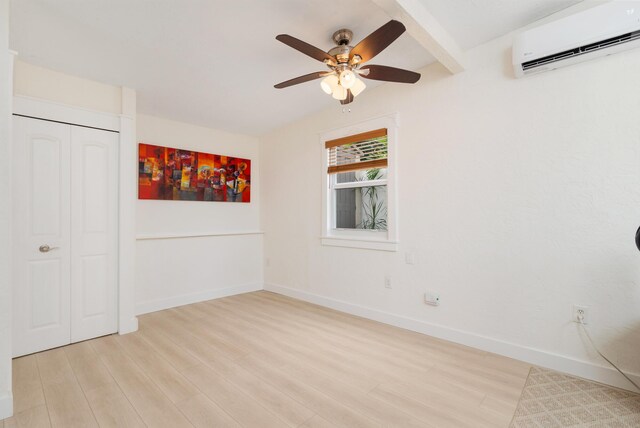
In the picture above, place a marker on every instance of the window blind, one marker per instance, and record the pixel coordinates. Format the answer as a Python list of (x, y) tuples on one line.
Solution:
[(355, 152)]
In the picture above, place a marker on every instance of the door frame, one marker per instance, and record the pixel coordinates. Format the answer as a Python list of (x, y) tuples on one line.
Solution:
[(124, 124)]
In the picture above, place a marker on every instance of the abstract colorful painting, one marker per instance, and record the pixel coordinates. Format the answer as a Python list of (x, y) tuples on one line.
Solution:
[(184, 175)]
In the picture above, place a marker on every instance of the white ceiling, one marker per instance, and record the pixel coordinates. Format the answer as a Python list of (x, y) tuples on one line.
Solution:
[(214, 62), (474, 22)]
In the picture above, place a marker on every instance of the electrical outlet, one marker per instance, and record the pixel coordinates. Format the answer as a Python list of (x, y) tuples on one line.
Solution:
[(432, 298), (579, 310), (387, 282)]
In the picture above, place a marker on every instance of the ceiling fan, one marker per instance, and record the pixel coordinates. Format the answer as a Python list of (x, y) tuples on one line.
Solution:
[(346, 62)]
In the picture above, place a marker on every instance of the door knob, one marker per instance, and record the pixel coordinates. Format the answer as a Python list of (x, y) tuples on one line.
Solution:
[(45, 248)]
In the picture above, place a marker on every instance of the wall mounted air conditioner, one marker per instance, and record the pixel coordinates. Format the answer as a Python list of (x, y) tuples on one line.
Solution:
[(602, 30)]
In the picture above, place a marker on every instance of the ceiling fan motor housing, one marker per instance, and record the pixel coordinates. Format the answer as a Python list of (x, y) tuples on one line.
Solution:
[(341, 53), (342, 38)]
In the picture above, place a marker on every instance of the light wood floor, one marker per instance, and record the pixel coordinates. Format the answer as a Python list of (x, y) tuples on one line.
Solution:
[(264, 360)]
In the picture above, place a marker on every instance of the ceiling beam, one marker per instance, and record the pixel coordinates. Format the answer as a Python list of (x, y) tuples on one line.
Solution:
[(423, 27)]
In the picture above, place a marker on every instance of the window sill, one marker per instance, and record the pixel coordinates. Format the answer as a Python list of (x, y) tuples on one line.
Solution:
[(362, 243)]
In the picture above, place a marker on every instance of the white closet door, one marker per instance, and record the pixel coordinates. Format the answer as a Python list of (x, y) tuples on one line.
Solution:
[(94, 232), (41, 228)]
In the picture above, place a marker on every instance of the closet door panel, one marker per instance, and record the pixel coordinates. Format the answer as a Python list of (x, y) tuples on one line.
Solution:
[(94, 208), (41, 235)]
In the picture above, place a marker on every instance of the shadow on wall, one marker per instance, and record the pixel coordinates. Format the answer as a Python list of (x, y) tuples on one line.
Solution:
[(614, 322), (621, 346), (507, 64)]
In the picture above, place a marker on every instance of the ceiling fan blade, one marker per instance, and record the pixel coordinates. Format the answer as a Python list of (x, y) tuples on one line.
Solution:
[(390, 74), (348, 99), (377, 41), (305, 48), (300, 79)]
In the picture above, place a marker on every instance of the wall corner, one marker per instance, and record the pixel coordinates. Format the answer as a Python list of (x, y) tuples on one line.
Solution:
[(127, 321)]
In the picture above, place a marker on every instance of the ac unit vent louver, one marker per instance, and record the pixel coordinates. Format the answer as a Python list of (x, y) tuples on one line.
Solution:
[(613, 41)]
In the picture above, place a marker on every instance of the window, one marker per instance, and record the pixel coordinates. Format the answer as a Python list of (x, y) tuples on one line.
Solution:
[(359, 196), (357, 169)]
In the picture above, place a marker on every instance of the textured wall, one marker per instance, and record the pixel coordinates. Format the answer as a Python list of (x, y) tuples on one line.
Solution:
[(519, 197)]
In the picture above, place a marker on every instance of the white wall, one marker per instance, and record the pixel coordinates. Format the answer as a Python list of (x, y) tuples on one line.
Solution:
[(177, 268), (519, 197), (39, 82), (6, 70)]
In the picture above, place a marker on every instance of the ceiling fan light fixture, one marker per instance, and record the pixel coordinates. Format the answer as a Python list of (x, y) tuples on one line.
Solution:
[(347, 78), (340, 93), (329, 83), (358, 87), (348, 63)]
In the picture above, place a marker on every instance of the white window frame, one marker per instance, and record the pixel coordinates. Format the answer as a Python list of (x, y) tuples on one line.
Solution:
[(358, 238)]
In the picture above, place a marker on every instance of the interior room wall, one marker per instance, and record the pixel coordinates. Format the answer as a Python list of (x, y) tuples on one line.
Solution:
[(39, 82), (518, 197), (189, 251), (172, 269), (6, 83)]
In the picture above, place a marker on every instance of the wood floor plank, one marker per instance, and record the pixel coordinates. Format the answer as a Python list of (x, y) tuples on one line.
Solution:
[(86, 366), (503, 409), (66, 402), (301, 391), (161, 344), (511, 366), (155, 408), (54, 367), (283, 406), (317, 422), (27, 387), (460, 376), (467, 413), (109, 405), (179, 332), (68, 406), (381, 411), (433, 416), (195, 327), (231, 398), (111, 408), (34, 417), (160, 371), (204, 413)]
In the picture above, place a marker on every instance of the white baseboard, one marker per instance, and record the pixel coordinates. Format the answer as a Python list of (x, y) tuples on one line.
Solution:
[(538, 357), (186, 299), (128, 326), (6, 405)]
